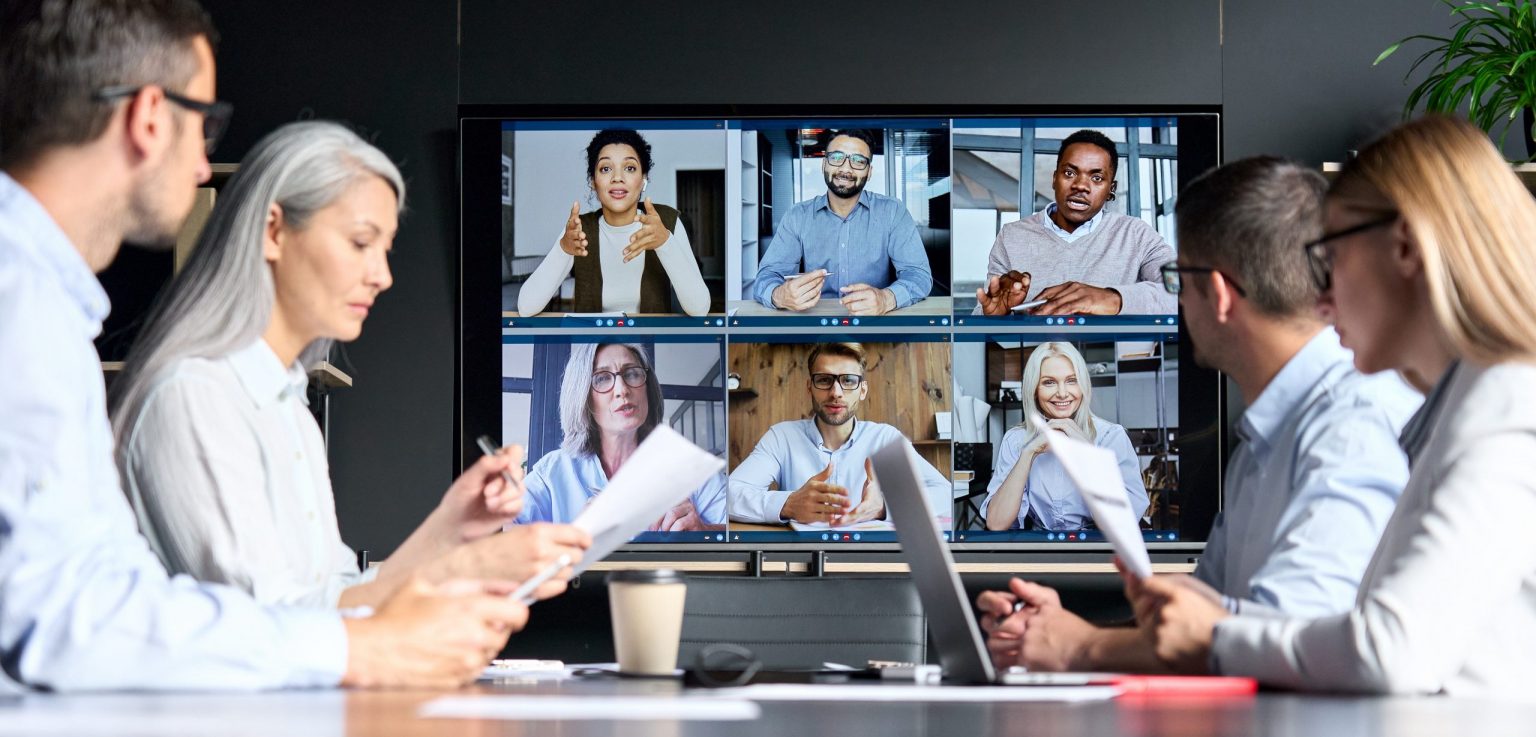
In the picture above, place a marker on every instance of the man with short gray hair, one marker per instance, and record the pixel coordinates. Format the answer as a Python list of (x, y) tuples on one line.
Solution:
[(1318, 470)]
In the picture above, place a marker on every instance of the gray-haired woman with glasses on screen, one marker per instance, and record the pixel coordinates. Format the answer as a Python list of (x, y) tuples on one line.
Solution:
[(610, 400)]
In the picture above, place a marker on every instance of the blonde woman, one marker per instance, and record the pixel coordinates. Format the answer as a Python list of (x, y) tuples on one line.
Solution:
[(1029, 486), (1428, 236)]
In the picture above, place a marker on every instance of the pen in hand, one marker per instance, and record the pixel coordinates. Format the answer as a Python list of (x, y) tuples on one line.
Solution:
[(488, 447)]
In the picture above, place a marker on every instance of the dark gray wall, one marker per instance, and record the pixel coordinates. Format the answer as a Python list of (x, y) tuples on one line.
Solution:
[(1294, 78)]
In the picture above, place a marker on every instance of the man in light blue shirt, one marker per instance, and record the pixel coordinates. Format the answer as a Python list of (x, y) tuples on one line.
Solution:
[(858, 247), (1319, 471), (107, 113), (817, 471)]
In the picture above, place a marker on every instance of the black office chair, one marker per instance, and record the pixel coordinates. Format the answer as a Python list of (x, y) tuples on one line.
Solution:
[(794, 622), (975, 457)]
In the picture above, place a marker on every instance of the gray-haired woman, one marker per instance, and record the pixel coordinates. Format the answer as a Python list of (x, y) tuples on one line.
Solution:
[(610, 399), (223, 464)]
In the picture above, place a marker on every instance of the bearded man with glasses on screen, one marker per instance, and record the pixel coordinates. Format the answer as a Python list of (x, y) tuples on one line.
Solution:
[(847, 244), (817, 470)]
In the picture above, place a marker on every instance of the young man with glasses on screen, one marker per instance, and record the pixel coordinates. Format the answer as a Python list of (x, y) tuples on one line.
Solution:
[(821, 466), (1318, 469), (846, 244), (107, 114)]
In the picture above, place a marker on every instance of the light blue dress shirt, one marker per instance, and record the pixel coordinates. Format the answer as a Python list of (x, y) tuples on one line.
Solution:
[(1311, 486), (792, 452), (1082, 230), (1050, 495), (84, 603), (561, 484), (879, 237)]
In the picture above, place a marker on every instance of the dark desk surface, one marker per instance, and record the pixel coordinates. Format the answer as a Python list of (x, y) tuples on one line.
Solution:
[(364, 714)]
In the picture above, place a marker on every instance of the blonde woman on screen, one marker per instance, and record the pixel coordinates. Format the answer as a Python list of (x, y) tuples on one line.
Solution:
[(1428, 239), (221, 460), (1029, 486)]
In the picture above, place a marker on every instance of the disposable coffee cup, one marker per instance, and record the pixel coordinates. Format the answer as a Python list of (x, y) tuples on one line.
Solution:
[(647, 609)]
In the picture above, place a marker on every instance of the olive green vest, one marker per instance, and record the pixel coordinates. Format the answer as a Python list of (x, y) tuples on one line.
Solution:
[(655, 287)]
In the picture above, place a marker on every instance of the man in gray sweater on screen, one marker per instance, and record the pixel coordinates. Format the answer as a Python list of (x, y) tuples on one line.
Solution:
[(1075, 257)]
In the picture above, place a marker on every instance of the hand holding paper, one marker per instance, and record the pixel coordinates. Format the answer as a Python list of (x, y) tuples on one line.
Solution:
[(1096, 473), (663, 471)]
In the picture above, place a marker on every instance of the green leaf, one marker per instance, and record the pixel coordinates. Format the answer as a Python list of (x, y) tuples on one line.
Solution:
[(1387, 53)]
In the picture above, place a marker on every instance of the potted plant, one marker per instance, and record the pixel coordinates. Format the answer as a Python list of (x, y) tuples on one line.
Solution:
[(1488, 65)]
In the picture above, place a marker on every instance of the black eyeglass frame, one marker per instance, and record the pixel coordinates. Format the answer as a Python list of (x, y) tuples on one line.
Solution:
[(216, 114), (1320, 261), (839, 379), (1174, 284), (617, 376), (852, 160)]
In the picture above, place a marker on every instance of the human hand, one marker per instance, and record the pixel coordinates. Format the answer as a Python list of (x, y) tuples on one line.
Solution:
[(1003, 292), (432, 636), (1077, 298), (522, 552), (800, 293), (651, 235), (1068, 428), (816, 500), (1054, 639), (1004, 617), (871, 504), (863, 299), (1181, 622), (574, 240), (480, 501), (683, 517)]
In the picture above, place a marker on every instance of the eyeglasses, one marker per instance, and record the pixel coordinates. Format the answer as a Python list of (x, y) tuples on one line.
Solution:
[(215, 114), (1174, 283), (1320, 255), (859, 162), (634, 377), (848, 382)]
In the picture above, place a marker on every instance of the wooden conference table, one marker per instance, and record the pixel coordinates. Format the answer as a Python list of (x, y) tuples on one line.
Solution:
[(366, 714)]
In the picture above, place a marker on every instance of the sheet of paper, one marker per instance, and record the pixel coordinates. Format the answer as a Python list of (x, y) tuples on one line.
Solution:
[(872, 692), (567, 708), (663, 471), (1096, 472)]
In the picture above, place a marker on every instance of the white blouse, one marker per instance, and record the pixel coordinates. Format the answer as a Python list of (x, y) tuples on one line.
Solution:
[(1448, 603), (621, 281), (227, 473)]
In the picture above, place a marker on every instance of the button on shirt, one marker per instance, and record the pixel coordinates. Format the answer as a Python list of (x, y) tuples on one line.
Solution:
[(227, 472), (561, 485), (792, 452), (1050, 494), (878, 238), (86, 605), (1311, 486)]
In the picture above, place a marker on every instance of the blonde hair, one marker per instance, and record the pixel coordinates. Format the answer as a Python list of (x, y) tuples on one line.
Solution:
[(1031, 384), (1474, 223)]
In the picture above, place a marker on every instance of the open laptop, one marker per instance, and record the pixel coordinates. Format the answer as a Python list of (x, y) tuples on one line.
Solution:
[(962, 651)]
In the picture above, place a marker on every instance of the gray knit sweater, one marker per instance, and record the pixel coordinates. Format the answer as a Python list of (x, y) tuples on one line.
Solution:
[(1122, 253)]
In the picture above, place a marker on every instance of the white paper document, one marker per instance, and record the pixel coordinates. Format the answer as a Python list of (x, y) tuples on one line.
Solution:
[(663, 471), (872, 692), (567, 708), (1096, 472)]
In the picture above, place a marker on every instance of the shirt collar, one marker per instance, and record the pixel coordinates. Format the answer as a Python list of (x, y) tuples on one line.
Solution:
[(53, 248), (263, 375), (815, 434), (1282, 398), (1082, 230), (824, 202)]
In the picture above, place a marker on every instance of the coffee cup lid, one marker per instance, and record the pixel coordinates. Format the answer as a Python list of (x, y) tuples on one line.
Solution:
[(646, 575)]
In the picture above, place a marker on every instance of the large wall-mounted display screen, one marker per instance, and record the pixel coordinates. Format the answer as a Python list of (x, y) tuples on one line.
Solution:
[(792, 291)]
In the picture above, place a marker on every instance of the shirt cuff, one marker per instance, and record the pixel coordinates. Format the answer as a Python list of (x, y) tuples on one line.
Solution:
[(774, 504), (764, 291), (313, 643)]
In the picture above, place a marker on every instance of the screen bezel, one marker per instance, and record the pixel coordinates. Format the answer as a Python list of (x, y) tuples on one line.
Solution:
[(477, 403)]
